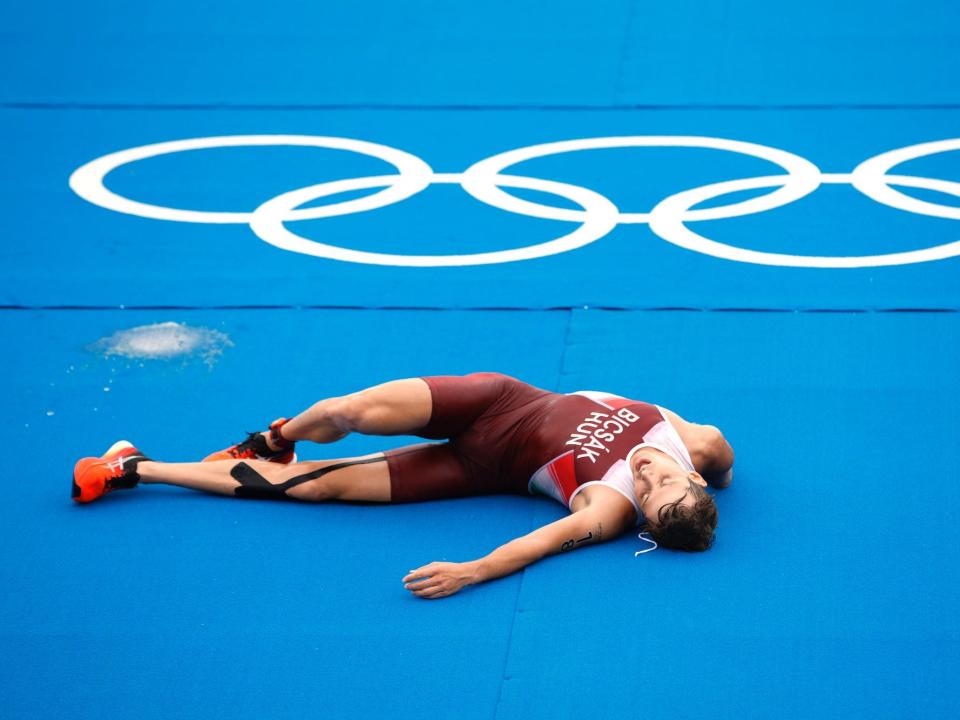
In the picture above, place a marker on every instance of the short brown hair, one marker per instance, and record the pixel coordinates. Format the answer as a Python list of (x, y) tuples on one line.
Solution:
[(683, 527)]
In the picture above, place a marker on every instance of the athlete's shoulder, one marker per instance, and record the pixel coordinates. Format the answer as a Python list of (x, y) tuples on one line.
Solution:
[(710, 451)]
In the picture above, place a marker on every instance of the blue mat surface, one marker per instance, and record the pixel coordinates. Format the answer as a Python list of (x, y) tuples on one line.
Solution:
[(816, 560), (614, 52), (832, 587)]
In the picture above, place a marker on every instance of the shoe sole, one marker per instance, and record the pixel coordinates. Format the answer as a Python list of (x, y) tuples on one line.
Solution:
[(117, 447)]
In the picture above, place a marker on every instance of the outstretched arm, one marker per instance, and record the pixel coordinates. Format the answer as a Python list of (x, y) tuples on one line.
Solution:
[(599, 521)]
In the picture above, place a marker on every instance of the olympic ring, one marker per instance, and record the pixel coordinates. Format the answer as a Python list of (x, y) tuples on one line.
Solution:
[(87, 181), (804, 172), (868, 178), (268, 220), (667, 222), (597, 217)]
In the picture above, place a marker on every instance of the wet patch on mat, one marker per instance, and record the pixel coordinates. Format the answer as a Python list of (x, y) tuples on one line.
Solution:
[(164, 341)]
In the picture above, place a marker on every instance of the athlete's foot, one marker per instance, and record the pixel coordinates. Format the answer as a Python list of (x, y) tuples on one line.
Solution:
[(269, 445), (116, 469)]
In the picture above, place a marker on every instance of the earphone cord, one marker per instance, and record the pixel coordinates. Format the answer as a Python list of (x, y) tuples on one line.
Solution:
[(647, 539)]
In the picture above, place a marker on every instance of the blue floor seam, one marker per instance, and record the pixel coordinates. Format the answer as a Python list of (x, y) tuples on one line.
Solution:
[(563, 351), (504, 677), (493, 107), (430, 308)]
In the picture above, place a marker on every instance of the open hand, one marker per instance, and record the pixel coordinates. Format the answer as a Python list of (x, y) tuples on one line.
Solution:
[(438, 579)]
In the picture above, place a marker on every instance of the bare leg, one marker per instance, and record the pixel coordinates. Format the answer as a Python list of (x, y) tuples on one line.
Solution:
[(395, 408), (361, 478), (399, 407)]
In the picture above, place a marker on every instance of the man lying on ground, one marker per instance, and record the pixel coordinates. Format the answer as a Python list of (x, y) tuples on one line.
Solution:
[(615, 463)]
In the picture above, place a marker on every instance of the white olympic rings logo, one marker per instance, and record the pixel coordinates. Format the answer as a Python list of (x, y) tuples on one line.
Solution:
[(598, 215)]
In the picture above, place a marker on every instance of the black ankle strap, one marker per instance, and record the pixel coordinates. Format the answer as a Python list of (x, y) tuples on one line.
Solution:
[(277, 437)]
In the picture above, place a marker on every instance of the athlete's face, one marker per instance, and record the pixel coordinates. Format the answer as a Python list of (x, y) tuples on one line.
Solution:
[(658, 481)]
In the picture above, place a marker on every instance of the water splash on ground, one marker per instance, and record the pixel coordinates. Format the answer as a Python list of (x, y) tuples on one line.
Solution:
[(164, 341)]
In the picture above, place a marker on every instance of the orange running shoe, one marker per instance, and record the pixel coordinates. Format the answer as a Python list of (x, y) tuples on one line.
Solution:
[(116, 469), (255, 448)]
